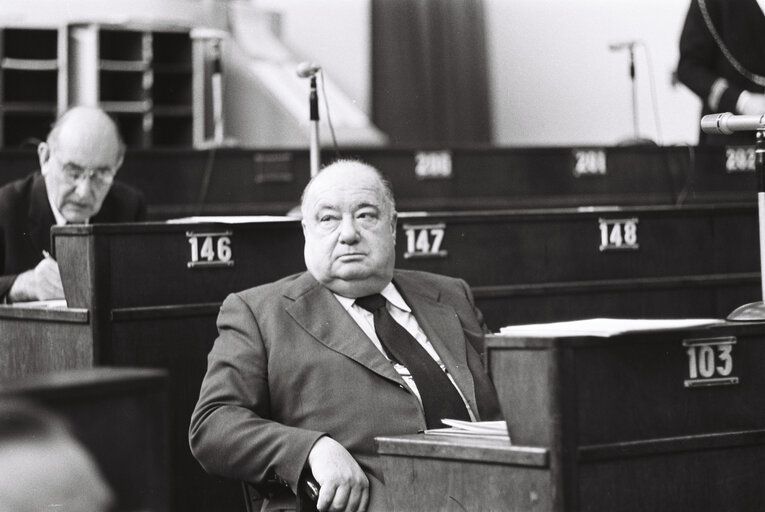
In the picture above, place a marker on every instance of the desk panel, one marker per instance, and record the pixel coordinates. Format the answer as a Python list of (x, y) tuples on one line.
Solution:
[(630, 422), (120, 416), (426, 472), (38, 340)]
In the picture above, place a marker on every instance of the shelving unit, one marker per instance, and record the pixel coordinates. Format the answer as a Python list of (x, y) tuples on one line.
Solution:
[(172, 88), (142, 76), (30, 78)]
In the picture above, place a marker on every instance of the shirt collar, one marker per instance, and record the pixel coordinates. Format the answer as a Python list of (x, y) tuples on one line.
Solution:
[(389, 292), (60, 220)]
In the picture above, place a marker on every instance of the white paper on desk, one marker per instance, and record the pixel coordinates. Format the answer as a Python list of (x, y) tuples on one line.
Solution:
[(604, 327), (48, 304), (486, 429), (231, 219)]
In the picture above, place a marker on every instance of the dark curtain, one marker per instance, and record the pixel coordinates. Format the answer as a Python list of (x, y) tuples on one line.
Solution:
[(429, 72)]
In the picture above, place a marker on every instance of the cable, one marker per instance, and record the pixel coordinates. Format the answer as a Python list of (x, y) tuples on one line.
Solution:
[(654, 100), (329, 119), (205, 185)]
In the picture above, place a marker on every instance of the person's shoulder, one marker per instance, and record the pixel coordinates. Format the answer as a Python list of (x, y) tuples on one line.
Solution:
[(123, 191), (123, 203), (265, 294), (15, 192), (427, 278)]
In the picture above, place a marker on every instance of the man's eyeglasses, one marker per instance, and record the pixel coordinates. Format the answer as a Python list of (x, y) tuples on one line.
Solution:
[(74, 174)]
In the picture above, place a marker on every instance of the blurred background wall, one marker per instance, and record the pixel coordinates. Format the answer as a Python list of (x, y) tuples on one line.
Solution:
[(552, 78)]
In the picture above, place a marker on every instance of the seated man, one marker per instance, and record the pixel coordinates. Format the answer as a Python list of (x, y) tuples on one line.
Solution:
[(79, 161), (43, 467), (308, 370)]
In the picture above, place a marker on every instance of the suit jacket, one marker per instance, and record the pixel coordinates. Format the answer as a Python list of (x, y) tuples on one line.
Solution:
[(26, 219), (290, 365), (741, 26)]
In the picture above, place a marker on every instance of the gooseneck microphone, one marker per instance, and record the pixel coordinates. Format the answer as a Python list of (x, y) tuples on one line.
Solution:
[(622, 46), (727, 123), (307, 69)]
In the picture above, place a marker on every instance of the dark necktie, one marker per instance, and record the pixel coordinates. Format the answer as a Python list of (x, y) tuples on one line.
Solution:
[(440, 398)]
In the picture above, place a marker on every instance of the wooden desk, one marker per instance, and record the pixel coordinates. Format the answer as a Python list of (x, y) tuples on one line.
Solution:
[(661, 421), (528, 266), (121, 416), (430, 472), (136, 299), (236, 181)]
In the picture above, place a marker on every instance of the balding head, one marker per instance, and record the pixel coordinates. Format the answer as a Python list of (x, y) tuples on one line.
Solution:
[(89, 128), (82, 154)]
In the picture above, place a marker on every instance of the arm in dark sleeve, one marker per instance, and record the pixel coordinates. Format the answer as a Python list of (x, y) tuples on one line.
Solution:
[(230, 433), (697, 68), (486, 394)]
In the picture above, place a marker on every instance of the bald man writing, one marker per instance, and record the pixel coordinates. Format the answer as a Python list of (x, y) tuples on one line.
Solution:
[(78, 161), (308, 370)]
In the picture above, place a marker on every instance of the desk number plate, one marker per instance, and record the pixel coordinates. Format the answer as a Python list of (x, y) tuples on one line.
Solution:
[(739, 159), (589, 162), (710, 362), (618, 234), (424, 241), (433, 164), (210, 249)]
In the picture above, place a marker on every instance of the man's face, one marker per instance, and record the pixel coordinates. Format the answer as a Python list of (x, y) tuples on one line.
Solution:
[(78, 175), (349, 231)]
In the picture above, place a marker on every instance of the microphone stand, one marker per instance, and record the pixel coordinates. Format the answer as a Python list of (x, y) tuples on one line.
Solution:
[(313, 101), (217, 94), (755, 311), (634, 91)]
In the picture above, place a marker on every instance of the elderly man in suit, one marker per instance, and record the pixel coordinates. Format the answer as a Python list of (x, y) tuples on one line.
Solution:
[(78, 163), (304, 373)]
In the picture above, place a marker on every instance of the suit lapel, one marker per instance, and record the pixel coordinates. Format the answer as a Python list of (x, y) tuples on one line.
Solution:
[(317, 310), (40, 217), (444, 331)]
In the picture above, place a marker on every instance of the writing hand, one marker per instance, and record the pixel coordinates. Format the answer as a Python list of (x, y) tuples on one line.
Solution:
[(344, 486), (48, 280)]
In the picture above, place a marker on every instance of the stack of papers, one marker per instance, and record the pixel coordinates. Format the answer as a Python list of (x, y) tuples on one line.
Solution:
[(604, 327), (51, 303), (485, 429), (231, 219)]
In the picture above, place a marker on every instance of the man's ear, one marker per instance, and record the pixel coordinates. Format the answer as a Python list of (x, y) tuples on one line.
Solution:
[(393, 221), (43, 155)]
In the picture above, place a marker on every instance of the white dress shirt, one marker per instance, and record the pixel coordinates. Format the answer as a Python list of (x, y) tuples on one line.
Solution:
[(402, 314)]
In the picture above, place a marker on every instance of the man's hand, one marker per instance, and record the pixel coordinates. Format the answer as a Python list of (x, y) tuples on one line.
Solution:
[(41, 283), (344, 486), (754, 104)]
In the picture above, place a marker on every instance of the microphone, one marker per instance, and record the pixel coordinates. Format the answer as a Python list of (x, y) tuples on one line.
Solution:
[(727, 123), (621, 46), (307, 69)]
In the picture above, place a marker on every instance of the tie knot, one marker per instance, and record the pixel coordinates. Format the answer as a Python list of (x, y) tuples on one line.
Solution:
[(372, 302)]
